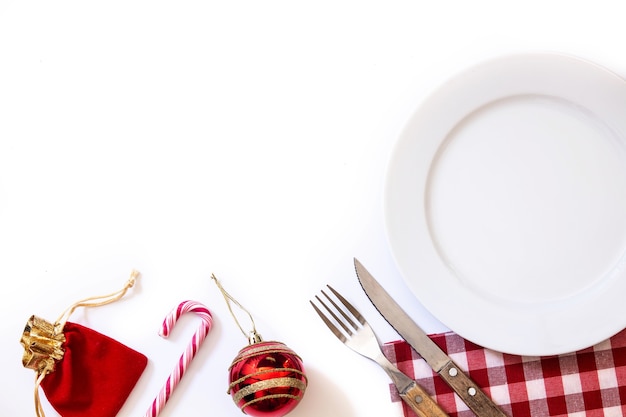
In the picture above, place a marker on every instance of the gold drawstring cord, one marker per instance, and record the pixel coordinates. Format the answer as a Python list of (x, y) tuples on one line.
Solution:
[(95, 302), (253, 336), (38, 378), (64, 317)]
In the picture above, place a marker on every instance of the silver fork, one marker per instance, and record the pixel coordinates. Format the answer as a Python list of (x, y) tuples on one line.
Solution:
[(357, 334)]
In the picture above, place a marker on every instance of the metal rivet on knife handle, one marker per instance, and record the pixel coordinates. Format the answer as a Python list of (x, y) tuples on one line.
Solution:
[(469, 392)]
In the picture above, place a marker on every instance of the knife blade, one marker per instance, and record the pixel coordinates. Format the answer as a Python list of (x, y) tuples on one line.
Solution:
[(438, 360)]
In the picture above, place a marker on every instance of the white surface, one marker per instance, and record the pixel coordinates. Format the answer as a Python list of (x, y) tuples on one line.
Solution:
[(242, 138), (505, 204)]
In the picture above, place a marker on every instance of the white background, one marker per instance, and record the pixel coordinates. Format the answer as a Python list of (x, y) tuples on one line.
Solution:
[(246, 139)]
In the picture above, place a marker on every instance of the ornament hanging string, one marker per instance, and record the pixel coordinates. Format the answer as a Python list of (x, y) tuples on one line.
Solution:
[(59, 325), (253, 336)]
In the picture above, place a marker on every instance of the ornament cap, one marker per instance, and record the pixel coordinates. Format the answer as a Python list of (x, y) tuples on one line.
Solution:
[(254, 337)]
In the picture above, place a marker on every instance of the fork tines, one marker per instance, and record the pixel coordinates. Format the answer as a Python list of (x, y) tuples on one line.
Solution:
[(342, 311)]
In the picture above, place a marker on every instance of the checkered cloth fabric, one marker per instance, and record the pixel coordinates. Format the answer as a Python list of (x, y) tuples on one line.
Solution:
[(587, 383)]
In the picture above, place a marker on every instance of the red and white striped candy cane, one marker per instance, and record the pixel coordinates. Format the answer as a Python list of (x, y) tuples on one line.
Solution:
[(189, 353)]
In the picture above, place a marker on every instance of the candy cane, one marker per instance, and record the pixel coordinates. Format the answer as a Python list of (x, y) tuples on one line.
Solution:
[(189, 353)]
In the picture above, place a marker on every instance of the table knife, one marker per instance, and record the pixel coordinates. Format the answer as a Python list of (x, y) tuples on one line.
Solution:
[(441, 363)]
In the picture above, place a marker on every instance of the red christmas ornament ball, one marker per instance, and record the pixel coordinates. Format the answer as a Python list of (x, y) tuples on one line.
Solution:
[(267, 379)]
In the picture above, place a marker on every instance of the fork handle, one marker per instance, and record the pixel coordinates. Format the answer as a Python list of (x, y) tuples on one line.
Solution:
[(421, 402)]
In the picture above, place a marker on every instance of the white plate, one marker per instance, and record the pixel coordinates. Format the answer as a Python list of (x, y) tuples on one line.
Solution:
[(505, 204)]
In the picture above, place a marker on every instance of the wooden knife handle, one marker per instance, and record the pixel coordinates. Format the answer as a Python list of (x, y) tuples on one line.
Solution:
[(421, 402), (469, 392)]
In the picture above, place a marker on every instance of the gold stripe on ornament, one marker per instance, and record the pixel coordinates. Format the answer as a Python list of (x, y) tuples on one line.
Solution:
[(269, 397), (266, 371), (268, 384), (255, 352), (251, 351)]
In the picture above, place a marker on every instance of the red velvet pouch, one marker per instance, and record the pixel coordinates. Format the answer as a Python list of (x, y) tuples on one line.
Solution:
[(83, 373), (95, 376)]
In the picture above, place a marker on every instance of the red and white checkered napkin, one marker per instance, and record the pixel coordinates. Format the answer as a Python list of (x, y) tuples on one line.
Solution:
[(587, 383)]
